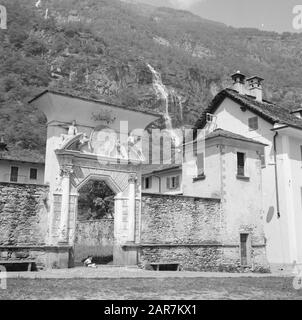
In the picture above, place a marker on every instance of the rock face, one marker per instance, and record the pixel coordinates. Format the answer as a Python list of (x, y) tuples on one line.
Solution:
[(101, 49)]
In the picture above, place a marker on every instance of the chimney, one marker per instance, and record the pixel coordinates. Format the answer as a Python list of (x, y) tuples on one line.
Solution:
[(255, 87), (239, 82)]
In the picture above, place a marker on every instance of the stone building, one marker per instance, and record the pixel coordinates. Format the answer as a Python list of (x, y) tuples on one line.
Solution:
[(24, 170), (163, 180), (244, 111)]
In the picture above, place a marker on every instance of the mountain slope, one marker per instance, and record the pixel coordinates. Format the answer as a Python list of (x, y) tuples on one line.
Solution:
[(101, 48)]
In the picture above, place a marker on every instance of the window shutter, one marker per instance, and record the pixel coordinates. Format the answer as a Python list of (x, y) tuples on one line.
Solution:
[(177, 182), (144, 183), (263, 162), (33, 174), (168, 182), (253, 123), (14, 174), (150, 182), (200, 163)]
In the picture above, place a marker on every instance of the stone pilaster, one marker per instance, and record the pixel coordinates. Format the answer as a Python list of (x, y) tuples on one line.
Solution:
[(66, 171), (131, 208)]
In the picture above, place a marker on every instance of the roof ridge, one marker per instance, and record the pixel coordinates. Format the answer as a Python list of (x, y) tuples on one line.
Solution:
[(271, 112)]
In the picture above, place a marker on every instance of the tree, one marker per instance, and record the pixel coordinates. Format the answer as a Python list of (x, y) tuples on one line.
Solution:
[(96, 201)]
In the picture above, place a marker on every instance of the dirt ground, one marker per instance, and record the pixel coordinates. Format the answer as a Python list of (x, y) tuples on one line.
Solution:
[(163, 289)]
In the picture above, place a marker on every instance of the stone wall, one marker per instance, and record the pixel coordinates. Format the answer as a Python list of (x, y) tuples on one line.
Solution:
[(23, 224), (181, 229), (23, 214), (94, 238), (190, 231), (180, 220)]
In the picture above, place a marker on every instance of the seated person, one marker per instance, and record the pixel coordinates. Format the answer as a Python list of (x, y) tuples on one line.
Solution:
[(88, 262)]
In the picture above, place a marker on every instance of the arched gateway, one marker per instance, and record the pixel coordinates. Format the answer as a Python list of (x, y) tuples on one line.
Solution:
[(91, 140)]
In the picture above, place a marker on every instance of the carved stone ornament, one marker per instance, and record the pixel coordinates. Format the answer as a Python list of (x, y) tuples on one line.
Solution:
[(132, 178), (66, 170)]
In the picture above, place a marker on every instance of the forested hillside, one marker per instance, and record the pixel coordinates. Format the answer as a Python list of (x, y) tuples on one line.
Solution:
[(101, 48)]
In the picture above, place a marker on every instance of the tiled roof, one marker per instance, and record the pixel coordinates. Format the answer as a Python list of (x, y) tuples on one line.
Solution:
[(22, 156), (230, 135), (266, 110), (153, 169), (160, 169)]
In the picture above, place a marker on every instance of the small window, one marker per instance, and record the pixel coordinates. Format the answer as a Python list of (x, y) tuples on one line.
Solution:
[(200, 164), (240, 164), (33, 174), (147, 183), (253, 123), (173, 182), (14, 171), (210, 117)]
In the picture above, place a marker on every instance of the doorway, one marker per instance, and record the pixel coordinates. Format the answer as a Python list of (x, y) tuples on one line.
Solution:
[(245, 249)]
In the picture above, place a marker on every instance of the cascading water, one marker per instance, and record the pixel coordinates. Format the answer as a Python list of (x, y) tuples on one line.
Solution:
[(163, 93)]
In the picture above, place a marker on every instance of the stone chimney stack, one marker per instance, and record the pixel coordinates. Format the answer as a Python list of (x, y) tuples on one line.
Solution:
[(239, 82), (255, 87)]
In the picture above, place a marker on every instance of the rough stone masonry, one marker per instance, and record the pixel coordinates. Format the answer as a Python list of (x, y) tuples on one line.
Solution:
[(188, 231), (23, 221)]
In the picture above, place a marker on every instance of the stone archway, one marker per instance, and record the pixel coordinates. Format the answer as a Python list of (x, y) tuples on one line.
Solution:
[(77, 169), (94, 233)]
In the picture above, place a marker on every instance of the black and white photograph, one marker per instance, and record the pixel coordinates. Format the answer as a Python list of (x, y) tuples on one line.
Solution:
[(150, 150)]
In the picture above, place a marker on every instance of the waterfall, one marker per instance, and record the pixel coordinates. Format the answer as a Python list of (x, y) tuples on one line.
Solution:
[(163, 93)]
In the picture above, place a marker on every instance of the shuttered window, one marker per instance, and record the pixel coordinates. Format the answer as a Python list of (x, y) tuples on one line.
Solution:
[(173, 182), (33, 175), (14, 171)]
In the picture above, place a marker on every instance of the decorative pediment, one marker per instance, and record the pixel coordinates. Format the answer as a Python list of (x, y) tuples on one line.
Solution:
[(105, 144)]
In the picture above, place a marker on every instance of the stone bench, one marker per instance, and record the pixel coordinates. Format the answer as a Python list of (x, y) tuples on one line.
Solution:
[(165, 266), (11, 262)]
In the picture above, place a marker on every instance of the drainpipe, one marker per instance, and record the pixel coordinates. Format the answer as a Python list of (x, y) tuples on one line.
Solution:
[(276, 175)]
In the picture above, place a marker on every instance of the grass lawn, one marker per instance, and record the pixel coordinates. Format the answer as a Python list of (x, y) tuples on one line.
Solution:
[(184, 288)]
